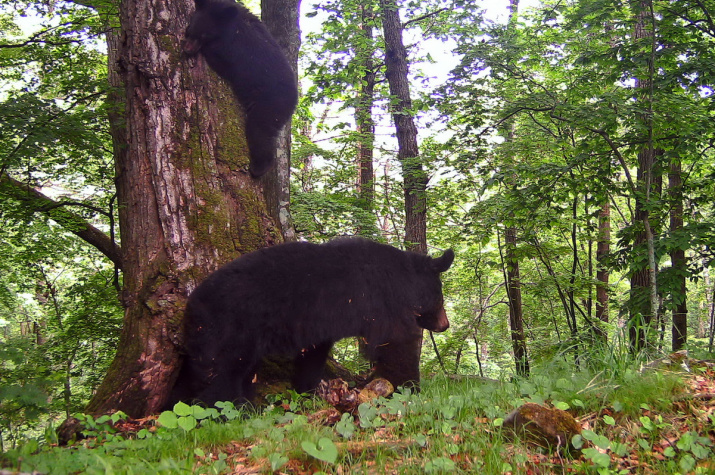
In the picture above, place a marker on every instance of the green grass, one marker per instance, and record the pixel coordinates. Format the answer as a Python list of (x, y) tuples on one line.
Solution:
[(450, 427)]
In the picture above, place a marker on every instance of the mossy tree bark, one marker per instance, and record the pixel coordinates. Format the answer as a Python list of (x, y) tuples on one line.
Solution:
[(187, 202)]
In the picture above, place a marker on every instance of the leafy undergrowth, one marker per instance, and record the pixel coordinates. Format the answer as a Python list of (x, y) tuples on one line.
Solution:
[(653, 423)]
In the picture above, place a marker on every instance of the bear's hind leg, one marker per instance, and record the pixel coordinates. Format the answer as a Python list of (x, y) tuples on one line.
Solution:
[(265, 118), (309, 366)]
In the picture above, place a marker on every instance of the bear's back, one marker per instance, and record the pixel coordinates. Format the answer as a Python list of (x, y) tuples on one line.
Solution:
[(247, 55)]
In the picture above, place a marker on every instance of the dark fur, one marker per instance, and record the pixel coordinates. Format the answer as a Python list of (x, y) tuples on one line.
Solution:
[(297, 299), (241, 50)]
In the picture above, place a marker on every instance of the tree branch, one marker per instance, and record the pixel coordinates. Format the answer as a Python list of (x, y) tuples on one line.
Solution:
[(38, 38), (420, 18), (72, 222)]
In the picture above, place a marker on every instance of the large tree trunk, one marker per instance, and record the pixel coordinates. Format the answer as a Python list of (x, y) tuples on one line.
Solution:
[(186, 201), (281, 19), (415, 178), (677, 257)]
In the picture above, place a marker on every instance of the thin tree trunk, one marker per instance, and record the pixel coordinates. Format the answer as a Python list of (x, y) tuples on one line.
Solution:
[(516, 318), (644, 293), (186, 203), (415, 178), (511, 260), (281, 19), (677, 256), (711, 319), (602, 250), (363, 112), (572, 278)]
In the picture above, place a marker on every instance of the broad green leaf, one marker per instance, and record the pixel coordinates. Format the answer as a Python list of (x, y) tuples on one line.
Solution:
[(325, 450), (187, 423), (168, 419)]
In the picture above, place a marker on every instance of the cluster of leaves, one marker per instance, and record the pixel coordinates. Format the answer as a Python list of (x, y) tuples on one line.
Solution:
[(59, 313)]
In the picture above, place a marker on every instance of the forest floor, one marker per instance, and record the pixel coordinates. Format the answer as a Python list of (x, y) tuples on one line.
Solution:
[(661, 420), (679, 440)]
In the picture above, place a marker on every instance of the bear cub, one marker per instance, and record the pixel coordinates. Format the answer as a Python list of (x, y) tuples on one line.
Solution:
[(239, 48), (297, 299)]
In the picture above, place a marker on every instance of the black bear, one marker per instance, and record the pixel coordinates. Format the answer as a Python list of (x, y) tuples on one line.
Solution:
[(240, 49), (297, 299)]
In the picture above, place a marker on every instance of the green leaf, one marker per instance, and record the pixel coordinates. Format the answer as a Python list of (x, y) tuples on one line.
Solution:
[(440, 464), (168, 419), (700, 452), (596, 439), (187, 423), (345, 426), (647, 423), (687, 463), (201, 413), (325, 450), (685, 441), (367, 414), (598, 458), (619, 449), (561, 405), (117, 416), (277, 461), (182, 409)]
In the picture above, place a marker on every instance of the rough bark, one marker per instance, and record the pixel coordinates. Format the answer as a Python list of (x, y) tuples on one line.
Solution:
[(415, 178), (281, 19), (643, 310), (677, 256), (186, 201)]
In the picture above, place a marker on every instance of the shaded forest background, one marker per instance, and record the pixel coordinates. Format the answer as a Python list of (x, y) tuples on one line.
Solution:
[(567, 151)]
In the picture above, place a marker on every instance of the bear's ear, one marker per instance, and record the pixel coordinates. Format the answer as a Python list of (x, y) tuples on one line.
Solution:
[(229, 12), (442, 263)]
